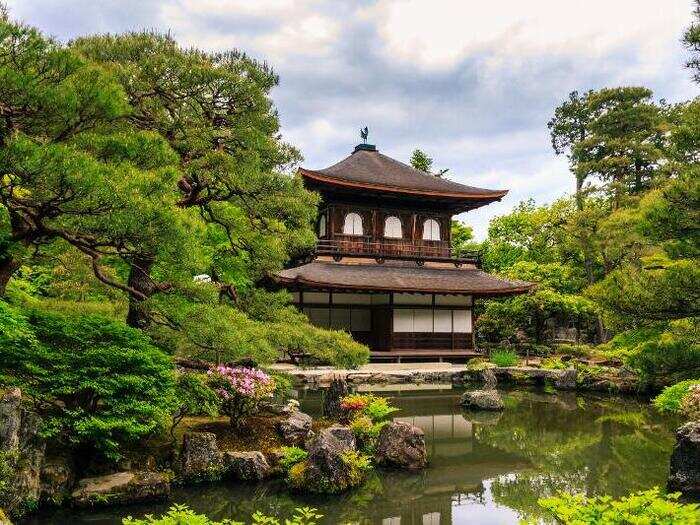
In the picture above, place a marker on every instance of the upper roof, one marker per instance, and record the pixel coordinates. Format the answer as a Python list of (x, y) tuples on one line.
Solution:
[(399, 276), (368, 169)]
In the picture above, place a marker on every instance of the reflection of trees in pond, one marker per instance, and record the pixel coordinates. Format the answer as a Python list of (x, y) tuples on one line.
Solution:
[(608, 447)]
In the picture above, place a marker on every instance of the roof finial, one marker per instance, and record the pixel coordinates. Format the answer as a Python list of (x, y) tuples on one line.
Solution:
[(363, 134)]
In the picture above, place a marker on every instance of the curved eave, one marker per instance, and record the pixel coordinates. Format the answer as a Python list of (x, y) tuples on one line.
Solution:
[(491, 196), (482, 292)]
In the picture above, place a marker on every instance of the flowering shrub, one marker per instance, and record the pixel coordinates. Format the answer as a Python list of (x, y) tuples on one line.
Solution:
[(355, 402), (376, 408), (241, 390)]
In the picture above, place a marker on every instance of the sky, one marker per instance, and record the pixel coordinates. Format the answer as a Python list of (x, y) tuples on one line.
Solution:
[(471, 83)]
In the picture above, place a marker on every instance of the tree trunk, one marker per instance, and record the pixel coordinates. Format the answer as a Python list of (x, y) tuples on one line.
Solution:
[(140, 280), (8, 266)]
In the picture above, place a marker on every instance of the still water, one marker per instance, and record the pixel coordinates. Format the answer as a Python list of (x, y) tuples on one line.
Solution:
[(485, 468)]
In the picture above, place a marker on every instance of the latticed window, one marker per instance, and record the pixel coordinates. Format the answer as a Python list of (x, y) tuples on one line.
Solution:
[(353, 224), (392, 228), (431, 230)]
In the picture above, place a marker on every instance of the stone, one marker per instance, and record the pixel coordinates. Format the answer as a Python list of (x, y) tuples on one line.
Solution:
[(295, 429), (326, 469), (121, 488), (567, 380), (482, 400), (332, 397), (685, 461), (19, 436), (246, 466), (343, 434), (200, 457), (10, 419), (489, 378), (401, 445), (57, 479)]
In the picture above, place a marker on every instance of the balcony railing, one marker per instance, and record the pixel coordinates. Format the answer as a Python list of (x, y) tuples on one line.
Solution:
[(398, 249)]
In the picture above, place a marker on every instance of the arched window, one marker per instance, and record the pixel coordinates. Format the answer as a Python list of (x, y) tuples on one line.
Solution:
[(431, 230), (353, 224), (322, 226), (392, 228)]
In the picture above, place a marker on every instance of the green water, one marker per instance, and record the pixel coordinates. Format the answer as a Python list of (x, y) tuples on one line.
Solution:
[(485, 468)]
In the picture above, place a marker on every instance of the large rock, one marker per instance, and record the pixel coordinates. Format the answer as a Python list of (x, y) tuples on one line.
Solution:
[(401, 445), (482, 400), (247, 466), (332, 398), (326, 469), (295, 429), (19, 438), (567, 380), (200, 457), (343, 434), (685, 461), (121, 488), (489, 378), (57, 480)]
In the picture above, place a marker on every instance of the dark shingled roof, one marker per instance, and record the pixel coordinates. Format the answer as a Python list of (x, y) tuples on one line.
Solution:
[(399, 276), (368, 169)]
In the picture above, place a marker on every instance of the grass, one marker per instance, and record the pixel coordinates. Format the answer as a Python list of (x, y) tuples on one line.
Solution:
[(504, 357)]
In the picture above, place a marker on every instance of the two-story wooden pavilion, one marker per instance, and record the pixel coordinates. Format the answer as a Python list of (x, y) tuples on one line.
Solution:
[(383, 269)]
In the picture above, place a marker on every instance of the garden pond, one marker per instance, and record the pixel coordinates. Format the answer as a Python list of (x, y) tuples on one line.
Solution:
[(485, 467)]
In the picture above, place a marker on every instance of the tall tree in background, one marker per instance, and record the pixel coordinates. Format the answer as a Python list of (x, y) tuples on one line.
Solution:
[(568, 127), (691, 39)]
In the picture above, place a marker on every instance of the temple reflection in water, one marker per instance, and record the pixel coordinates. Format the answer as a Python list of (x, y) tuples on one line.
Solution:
[(455, 479)]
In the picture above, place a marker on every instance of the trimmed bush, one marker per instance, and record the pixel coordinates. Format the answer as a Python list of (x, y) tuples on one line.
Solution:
[(95, 382)]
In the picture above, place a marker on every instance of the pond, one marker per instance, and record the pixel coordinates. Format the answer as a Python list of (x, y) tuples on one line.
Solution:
[(485, 468)]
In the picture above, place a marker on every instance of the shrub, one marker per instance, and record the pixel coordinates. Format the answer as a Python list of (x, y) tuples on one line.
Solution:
[(641, 507), (671, 398), (554, 363), (195, 397), (96, 382), (479, 364), (291, 456), (358, 465), (366, 432), (504, 358), (241, 390), (375, 407), (182, 515)]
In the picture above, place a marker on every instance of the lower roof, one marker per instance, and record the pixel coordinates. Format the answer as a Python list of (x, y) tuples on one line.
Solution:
[(398, 276)]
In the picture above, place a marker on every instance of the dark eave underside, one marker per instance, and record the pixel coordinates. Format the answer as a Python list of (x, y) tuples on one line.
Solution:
[(397, 276)]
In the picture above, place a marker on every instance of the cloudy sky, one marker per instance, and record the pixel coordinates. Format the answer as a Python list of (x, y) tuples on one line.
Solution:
[(473, 83)]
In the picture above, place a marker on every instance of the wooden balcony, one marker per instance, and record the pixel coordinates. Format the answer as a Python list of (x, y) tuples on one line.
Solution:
[(393, 249)]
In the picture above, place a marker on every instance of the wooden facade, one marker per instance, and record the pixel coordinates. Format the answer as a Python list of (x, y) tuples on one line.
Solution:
[(383, 269)]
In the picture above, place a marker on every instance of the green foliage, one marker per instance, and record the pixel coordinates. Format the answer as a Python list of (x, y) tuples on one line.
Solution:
[(366, 432), (642, 507), (291, 456), (183, 515), (95, 382), (421, 161), (671, 398), (357, 465), (462, 241), (504, 357), (195, 397)]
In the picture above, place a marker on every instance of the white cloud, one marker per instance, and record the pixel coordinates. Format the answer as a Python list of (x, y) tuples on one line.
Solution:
[(440, 33)]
